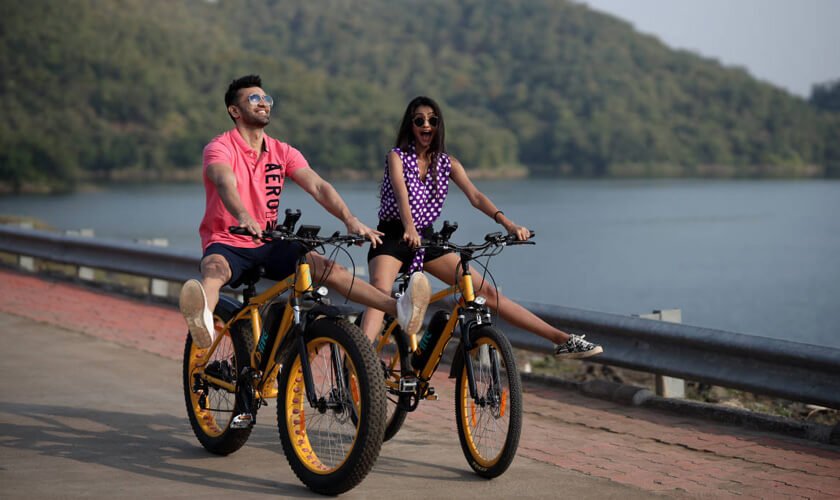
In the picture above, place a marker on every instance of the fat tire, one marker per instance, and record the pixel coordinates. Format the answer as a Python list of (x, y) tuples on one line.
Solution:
[(395, 419), (507, 453), (395, 412), (230, 440), (370, 429)]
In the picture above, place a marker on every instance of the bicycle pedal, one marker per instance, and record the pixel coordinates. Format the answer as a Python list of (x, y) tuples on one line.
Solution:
[(242, 421), (431, 396), (408, 385)]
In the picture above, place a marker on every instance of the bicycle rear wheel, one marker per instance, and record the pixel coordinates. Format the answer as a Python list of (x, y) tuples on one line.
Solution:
[(394, 360), (332, 446), (212, 405), (490, 424)]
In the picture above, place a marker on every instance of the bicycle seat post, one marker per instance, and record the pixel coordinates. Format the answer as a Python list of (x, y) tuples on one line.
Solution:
[(249, 291), (250, 281)]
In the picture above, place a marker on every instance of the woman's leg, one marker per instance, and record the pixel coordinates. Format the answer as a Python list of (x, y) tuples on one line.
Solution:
[(445, 267), (409, 309), (338, 278), (383, 271)]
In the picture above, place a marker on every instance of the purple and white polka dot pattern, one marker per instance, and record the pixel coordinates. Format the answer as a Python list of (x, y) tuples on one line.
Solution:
[(425, 197)]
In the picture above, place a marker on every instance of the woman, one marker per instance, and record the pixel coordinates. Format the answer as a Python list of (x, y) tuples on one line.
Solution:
[(413, 191)]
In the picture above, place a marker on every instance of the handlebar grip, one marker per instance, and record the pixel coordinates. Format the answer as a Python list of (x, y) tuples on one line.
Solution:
[(532, 234), (239, 230)]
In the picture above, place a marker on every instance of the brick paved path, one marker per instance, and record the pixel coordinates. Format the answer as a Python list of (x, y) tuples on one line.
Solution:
[(658, 452)]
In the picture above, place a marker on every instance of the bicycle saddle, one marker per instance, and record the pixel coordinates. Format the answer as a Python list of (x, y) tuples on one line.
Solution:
[(249, 277)]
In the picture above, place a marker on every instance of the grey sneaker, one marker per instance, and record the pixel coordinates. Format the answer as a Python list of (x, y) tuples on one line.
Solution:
[(193, 303), (411, 307), (576, 348)]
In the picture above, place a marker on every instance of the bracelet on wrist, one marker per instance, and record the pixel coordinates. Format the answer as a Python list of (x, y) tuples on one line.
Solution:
[(496, 215)]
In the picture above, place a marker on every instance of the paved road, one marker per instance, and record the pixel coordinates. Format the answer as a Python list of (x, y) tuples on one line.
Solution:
[(107, 419)]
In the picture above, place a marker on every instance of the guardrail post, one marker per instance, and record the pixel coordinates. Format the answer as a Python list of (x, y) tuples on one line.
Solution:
[(157, 287), (26, 262), (85, 273), (668, 387)]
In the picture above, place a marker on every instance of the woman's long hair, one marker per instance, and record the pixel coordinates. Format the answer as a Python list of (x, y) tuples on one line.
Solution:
[(406, 134)]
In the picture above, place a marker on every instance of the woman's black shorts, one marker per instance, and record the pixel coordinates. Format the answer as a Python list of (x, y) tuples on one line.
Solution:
[(393, 244)]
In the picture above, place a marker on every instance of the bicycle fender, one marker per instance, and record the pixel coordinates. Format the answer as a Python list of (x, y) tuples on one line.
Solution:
[(331, 312), (457, 362)]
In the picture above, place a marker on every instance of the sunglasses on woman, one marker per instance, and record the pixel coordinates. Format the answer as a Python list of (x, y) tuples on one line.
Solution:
[(419, 121), (256, 98)]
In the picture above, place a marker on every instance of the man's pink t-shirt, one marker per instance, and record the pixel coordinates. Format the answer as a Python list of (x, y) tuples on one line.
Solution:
[(259, 181)]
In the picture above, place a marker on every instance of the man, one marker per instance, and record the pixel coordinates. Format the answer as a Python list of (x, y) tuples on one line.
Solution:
[(244, 173)]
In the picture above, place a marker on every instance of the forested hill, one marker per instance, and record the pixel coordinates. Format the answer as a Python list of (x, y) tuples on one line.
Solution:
[(116, 89)]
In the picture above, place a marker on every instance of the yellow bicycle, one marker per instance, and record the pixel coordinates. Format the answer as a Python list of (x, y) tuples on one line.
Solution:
[(321, 368), (488, 390)]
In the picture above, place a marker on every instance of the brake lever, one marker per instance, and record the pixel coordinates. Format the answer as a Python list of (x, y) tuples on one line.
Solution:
[(494, 237), (353, 239)]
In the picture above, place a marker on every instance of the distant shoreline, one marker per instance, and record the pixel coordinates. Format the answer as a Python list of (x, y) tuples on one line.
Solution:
[(193, 175)]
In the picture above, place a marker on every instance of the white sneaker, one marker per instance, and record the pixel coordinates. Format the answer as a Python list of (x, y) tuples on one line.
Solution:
[(199, 319), (411, 307)]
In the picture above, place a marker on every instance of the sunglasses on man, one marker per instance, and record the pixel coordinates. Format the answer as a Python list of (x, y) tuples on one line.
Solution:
[(419, 121), (255, 99)]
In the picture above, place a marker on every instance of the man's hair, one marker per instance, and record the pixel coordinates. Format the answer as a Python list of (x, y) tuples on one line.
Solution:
[(238, 84)]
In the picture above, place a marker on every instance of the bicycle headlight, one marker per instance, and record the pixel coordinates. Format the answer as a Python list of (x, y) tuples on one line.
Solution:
[(480, 300)]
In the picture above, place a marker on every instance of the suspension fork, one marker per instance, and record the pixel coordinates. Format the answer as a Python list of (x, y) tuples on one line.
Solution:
[(466, 347), (338, 370), (303, 282), (495, 374), (305, 366), (467, 324)]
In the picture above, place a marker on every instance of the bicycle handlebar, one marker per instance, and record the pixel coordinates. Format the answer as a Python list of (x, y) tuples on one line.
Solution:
[(308, 235), (440, 239)]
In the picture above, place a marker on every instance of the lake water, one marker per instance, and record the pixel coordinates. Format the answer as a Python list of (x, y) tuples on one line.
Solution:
[(756, 257)]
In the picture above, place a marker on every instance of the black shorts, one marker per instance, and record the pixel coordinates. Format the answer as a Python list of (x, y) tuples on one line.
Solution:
[(278, 257), (393, 244)]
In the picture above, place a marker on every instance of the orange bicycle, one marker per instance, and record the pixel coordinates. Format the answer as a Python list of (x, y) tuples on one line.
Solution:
[(302, 351), (488, 390)]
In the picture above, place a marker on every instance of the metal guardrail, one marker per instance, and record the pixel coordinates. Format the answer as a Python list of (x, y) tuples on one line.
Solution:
[(109, 255), (796, 371)]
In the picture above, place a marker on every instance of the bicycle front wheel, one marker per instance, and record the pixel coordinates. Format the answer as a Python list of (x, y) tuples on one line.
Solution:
[(489, 424), (332, 444)]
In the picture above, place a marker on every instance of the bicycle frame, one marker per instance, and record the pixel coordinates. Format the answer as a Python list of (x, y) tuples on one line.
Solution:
[(466, 311), (280, 343), (301, 284), (488, 391)]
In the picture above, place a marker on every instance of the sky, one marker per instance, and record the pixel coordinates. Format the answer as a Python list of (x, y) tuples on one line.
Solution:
[(792, 44)]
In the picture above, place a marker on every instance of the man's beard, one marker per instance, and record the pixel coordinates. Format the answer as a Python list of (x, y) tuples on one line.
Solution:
[(255, 120)]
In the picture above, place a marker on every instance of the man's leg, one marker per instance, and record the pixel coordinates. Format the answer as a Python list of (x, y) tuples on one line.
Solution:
[(199, 298)]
